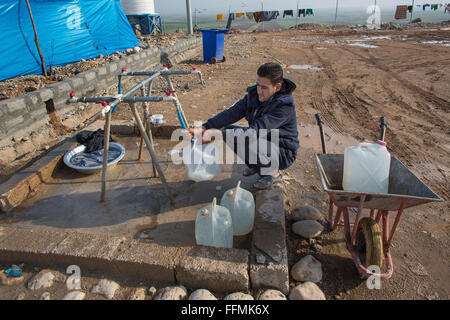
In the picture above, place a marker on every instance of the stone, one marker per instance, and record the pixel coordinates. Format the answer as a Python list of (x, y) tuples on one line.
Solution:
[(106, 288), (238, 296), (271, 295), (307, 228), (138, 294), (42, 280), (75, 295), (152, 291), (20, 296), (306, 291), (307, 269), (6, 280), (202, 294), (45, 296), (171, 293), (306, 213)]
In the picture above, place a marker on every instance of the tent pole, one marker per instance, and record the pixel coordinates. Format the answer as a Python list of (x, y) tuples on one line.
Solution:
[(44, 71), (335, 15)]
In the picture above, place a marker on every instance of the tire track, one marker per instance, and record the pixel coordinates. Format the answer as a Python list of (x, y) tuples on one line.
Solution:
[(325, 111), (417, 91), (352, 106)]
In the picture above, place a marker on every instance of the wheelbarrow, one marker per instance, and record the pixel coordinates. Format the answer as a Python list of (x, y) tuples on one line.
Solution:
[(365, 242)]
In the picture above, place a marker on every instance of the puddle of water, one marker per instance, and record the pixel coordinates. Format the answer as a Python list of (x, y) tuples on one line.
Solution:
[(362, 45), (304, 67), (377, 38), (444, 43)]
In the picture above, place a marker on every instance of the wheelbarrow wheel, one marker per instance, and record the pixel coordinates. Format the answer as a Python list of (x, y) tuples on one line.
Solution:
[(213, 60), (368, 243)]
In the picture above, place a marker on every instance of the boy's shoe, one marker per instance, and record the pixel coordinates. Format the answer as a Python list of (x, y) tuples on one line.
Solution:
[(249, 171), (267, 181)]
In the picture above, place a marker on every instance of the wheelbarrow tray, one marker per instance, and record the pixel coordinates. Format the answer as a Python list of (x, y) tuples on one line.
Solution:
[(403, 185)]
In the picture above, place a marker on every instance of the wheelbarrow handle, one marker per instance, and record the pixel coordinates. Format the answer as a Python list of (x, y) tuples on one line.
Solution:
[(383, 128), (322, 137)]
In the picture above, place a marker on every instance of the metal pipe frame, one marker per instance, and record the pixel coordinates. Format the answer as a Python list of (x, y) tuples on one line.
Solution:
[(110, 102)]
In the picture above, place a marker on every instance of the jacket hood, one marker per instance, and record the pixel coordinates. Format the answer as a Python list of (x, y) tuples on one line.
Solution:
[(287, 87)]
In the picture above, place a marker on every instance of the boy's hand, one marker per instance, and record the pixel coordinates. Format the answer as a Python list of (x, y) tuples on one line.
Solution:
[(195, 132)]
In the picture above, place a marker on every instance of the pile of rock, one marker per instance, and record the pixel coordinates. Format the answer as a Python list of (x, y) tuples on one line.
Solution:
[(307, 270)]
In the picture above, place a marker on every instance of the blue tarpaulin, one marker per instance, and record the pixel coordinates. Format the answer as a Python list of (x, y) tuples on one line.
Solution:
[(68, 31)]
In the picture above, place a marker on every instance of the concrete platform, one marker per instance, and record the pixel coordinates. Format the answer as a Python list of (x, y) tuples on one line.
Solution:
[(137, 233)]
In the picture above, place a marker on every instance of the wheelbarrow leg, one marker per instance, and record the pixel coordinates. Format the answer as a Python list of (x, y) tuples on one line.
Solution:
[(337, 218), (355, 224), (378, 217), (397, 219)]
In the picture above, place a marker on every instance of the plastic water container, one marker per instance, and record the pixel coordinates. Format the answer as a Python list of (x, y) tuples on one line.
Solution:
[(201, 161), (366, 168), (213, 226), (241, 205), (157, 119)]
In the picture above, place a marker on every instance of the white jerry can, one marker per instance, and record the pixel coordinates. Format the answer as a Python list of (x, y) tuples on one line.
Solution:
[(213, 226), (241, 205), (366, 168)]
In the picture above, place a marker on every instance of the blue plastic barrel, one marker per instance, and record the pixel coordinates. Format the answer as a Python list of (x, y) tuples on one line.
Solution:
[(213, 40)]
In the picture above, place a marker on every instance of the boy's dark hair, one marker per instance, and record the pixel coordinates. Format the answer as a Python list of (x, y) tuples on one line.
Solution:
[(271, 71)]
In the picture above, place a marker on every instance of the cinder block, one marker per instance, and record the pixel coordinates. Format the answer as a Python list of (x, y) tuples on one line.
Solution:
[(30, 246), (90, 76), (45, 94), (218, 269), (101, 71), (89, 251), (76, 83), (112, 67), (270, 275), (39, 114), (148, 261), (31, 100), (5, 232), (16, 104), (13, 122), (268, 263)]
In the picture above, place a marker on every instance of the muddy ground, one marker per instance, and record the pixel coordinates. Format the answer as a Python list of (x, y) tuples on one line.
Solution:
[(361, 76)]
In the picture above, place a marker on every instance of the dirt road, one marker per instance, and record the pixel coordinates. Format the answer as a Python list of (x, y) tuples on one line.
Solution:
[(359, 78)]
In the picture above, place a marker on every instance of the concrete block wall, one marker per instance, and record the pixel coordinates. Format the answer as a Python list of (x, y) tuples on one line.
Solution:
[(22, 115)]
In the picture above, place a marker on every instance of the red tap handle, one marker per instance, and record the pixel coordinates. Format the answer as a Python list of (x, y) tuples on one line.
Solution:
[(72, 94), (124, 69), (169, 92), (194, 68), (103, 103)]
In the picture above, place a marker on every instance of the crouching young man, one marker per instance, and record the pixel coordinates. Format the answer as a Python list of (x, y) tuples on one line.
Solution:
[(270, 142)]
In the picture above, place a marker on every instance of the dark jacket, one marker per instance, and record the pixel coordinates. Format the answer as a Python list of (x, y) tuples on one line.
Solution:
[(276, 113)]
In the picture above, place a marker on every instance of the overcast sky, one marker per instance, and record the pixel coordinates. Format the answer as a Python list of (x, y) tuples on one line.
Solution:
[(167, 7)]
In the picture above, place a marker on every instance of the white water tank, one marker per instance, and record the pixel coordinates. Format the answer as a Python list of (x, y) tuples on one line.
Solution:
[(138, 7)]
